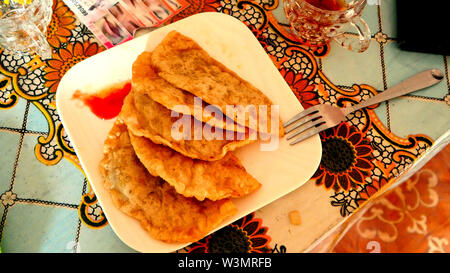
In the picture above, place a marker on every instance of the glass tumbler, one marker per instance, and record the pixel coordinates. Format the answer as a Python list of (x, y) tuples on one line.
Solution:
[(319, 21), (23, 24)]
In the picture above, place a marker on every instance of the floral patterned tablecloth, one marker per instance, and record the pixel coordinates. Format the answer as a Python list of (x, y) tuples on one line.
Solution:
[(47, 204)]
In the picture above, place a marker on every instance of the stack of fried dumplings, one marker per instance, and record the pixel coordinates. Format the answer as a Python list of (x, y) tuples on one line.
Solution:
[(179, 188)]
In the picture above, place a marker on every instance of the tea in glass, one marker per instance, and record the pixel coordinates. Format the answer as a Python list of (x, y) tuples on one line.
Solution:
[(317, 22)]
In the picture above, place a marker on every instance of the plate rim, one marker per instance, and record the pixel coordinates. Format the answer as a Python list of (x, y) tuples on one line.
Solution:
[(82, 163)]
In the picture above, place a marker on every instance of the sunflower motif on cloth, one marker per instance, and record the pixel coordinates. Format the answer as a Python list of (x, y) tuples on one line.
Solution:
[(61, 25), (346, 158), (303, 90), (65, 58), (245, 235)]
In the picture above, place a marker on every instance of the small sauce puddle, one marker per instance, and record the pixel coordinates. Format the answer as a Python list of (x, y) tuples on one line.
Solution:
[(107, 103)]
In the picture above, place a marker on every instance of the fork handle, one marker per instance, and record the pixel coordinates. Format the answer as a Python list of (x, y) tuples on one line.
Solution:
[(419, 81)]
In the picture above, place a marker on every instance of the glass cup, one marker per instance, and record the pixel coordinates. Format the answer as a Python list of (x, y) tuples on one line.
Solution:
[(23, 24), (319, 21)]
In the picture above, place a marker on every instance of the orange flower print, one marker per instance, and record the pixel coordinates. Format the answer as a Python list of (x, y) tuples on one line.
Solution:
[(346, 158), (245, 235), (303, 90), (64, 59), (63, 21), (370, 190)]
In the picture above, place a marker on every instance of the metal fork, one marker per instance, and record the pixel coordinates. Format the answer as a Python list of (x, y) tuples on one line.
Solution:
[(320, 117)]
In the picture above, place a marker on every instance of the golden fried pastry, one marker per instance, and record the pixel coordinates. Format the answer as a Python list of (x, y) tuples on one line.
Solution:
[(192, 177), (146, 81), (147, 118), (165, 214), (183, 63)]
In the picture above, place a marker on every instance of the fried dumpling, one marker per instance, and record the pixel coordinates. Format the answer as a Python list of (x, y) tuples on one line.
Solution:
[(147, 118), (165, 214), (214, 180), (183, 63), (146, 81)]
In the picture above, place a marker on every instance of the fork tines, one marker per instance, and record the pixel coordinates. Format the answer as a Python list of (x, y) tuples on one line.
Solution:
[(307, 123)]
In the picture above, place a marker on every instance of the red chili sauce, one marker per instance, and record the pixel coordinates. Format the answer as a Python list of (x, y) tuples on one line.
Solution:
[(107, 103)]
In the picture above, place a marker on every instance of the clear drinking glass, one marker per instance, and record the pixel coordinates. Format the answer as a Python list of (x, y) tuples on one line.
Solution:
[(319, 21), (23, 26)]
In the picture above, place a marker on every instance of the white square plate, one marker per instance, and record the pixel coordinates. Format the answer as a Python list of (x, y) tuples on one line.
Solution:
[(227, 40)]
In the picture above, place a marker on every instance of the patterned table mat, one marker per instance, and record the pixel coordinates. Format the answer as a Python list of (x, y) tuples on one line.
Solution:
[(48, 206)]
